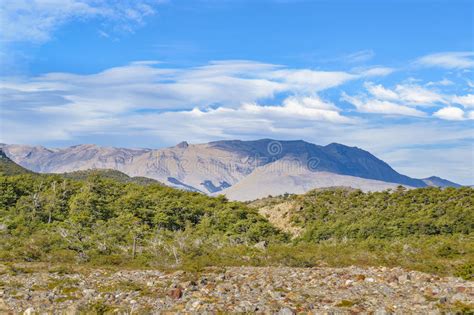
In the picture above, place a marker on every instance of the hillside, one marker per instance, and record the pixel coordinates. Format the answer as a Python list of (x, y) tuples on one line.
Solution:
[(219, 167), (347, 213), (100, 220), (109, 174), (8, 167)]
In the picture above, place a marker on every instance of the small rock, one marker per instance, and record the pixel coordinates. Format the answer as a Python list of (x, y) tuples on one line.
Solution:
[(3, 306), (360, 277), (286, 311), (29, 311), (458, 297), (418, 299), (88, 292), (461, 289), (404, 277), (261, 245), (176, 293)]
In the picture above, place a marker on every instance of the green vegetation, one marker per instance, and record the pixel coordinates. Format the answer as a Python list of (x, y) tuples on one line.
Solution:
[(339, 213), (103, 221), (102, 218), (8, 167), (110, 174)]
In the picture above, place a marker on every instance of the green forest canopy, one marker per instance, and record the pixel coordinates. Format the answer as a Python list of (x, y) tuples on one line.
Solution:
[(111, 221)]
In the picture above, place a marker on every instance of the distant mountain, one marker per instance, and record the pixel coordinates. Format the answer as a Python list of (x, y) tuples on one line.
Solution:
[(221, 166), (439, 182), (277, 180), (10, 168)]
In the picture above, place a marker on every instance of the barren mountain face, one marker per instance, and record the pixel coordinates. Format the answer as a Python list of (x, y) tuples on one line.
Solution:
[(242, 170)]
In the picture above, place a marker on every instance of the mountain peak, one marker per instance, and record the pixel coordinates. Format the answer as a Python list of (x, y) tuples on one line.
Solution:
[(436, 181)]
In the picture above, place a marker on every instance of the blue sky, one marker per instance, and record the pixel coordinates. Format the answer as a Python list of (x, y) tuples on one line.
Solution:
[(392, 77)]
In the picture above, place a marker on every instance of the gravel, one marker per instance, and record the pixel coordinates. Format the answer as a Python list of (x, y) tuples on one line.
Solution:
[(268, 290)]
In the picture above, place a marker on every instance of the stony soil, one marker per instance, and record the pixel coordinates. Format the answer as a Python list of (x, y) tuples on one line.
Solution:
[(267, 290)]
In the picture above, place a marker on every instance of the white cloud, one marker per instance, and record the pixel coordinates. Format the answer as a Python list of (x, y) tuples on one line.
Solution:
[(407, 94), (309, 102), (360, 56), (377, 72), (36, 20), (465, 100), (380, 92), (444, 82), (151, 86), (306, 80), (448, 60), (73, 104), (385, 107), (417, 95), (302, 108), (450, 113)]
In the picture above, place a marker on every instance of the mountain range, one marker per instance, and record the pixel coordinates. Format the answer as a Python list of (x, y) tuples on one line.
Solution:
[(242, 170)]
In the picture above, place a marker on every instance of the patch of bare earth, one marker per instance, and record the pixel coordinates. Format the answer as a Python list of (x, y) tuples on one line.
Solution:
[(280, 216)]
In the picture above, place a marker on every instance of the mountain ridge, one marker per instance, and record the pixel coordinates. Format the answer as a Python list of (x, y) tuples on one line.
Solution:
[(216, 166)]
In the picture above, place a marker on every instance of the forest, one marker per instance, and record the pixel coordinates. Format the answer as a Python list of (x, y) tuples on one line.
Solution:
[(99, 219)]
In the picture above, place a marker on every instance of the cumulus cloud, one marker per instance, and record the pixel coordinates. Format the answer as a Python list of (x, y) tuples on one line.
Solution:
[(448, 60), (35, 21), (450, 113)]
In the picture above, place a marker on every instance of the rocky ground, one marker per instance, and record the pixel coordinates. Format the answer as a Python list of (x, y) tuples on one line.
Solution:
[(269, 290)]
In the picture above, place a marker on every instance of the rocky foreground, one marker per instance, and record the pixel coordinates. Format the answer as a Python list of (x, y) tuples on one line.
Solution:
[(232, 290)]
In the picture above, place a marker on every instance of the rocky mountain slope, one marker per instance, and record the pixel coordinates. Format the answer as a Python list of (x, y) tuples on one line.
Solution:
[(216, 167)]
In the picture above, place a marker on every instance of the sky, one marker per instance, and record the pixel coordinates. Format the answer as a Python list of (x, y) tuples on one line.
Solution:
[(392, 77)]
